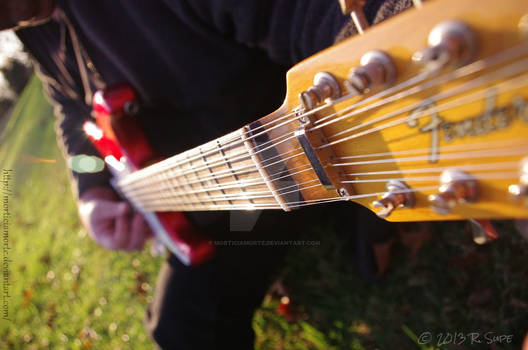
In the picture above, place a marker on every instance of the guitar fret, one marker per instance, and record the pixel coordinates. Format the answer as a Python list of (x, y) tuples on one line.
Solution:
[(198, 176), (174, 183), (184, 174), (215, 178), (222, 153), (271, 187)]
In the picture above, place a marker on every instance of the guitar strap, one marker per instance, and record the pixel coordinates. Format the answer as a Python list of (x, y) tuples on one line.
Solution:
[(83, 61)]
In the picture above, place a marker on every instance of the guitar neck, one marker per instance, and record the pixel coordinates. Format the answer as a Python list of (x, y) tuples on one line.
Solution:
[(416, 122), (235, 172)]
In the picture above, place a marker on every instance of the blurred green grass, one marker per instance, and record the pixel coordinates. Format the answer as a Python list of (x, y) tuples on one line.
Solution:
[(67, 293)]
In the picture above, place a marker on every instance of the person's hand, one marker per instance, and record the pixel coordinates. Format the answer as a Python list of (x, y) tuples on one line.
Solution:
[(110, 221)]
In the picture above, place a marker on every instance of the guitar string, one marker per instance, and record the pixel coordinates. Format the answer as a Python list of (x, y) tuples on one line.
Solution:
[(159, 206), (498, 57), (235, 184), (474, 67), (242, 196), (471, 70), (232, 184), (421, 158), (484, 145), (456, 102), (471, 167), (297, 204), (208, 166), (501, 88), (446, 156), (495, 145), (185, 183), (201, 180)]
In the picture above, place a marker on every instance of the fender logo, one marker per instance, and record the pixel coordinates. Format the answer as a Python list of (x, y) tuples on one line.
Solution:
[(492, 119)]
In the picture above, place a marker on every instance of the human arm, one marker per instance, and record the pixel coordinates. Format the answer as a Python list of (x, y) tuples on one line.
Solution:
[(109, 220)]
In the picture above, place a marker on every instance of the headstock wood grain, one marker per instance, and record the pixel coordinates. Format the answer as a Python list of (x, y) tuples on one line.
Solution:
[(456, 113)]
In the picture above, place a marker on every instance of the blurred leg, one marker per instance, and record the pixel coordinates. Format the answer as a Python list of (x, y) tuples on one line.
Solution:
[(211, 306)]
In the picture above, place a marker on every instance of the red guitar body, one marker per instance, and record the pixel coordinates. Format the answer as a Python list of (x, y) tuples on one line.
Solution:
[(118, 137)]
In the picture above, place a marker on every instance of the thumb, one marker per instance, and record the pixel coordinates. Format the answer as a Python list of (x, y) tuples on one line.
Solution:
[(105, 209)]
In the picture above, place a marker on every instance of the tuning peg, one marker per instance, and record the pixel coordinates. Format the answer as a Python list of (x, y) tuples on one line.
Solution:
[(482, 231), (417, 3), (398, 195), (450, 43), (456, 187), (376, 70), (325, 87), (355, 9)]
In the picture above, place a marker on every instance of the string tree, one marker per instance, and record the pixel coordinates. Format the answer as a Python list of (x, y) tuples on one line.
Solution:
[(450, 43), (376, 70), (456, 187), (398, 195)]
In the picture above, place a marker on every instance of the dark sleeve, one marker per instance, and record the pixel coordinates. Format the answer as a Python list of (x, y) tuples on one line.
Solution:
[(61, 80), (288, 30)]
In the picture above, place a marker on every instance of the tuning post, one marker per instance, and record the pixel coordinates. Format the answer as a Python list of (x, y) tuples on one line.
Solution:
[(354, 8), (376, 70), (398, 195), (325, 87), (456, 187), (450, 43), (520, 191)]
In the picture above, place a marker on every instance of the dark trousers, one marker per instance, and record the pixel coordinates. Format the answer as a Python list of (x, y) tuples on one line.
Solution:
[(211, 306)]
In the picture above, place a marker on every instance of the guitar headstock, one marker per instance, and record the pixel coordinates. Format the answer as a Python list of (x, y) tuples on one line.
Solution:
[(425, 117)]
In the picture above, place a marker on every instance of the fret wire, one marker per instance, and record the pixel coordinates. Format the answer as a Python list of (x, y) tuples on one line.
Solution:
[(250, 184), (239, 139), (187, 180), (148, 193), (222, 153), (146, 189), (256, 183), (204, 159), (174, 183), (162, 165), (161, 208), (516, 51), (218, 183), (242, 195)]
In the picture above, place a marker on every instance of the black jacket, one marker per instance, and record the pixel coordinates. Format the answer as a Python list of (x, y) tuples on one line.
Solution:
[(209, 66), (193, 61)]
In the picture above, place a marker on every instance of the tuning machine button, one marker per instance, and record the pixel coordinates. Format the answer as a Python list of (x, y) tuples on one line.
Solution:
[(398, 195), (325, 87), (450, 43), (520, 191), (456, 187), (376, 70)]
